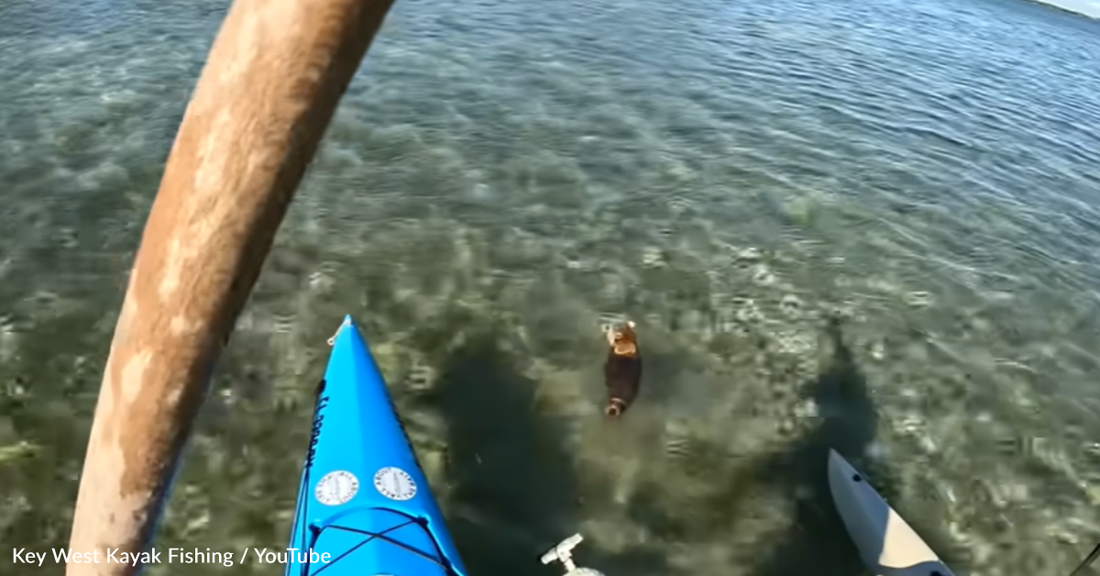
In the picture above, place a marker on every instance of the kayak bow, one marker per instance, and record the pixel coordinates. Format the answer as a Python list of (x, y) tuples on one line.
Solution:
[(886, 543), (364, 504)]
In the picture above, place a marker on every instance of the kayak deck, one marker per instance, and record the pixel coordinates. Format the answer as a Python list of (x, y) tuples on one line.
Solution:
[(886, 542), (364, 504)]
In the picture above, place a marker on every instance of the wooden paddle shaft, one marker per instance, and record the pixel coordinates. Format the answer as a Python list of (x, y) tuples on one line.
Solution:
[(272, 81)]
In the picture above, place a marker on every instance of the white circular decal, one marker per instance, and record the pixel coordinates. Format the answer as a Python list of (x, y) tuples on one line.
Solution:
[(336, 488), (395, 484)]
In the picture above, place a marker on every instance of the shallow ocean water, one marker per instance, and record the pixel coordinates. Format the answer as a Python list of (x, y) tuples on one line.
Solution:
[(869, 227)]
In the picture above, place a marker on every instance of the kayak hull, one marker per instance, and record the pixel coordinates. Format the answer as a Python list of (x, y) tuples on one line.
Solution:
[(886, 542), (364, 505)]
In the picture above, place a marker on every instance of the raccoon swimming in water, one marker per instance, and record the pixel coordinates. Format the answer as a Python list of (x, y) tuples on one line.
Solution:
[(623, 369)]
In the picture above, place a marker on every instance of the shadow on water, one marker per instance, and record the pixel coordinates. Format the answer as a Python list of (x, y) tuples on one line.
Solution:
[(817, 542), (513, 491)]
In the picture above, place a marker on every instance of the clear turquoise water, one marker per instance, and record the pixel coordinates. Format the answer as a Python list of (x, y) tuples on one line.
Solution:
[(502, 178)]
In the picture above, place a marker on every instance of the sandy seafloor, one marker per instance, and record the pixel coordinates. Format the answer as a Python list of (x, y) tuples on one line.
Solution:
[(870, 226)]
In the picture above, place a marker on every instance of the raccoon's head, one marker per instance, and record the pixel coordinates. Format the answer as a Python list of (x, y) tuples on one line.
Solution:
[(623, 340)]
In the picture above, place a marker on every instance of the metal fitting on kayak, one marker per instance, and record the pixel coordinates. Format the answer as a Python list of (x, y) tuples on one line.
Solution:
[(563, 553)]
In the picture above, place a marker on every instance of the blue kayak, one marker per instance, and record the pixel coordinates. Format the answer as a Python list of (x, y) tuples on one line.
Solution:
[(364, 505)]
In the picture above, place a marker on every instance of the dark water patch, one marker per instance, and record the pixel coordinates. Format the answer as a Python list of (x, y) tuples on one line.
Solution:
[(512, 490), (817, 541)]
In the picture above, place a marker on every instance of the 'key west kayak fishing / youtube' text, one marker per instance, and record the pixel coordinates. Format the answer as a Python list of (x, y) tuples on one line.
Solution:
[(170, 555)]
